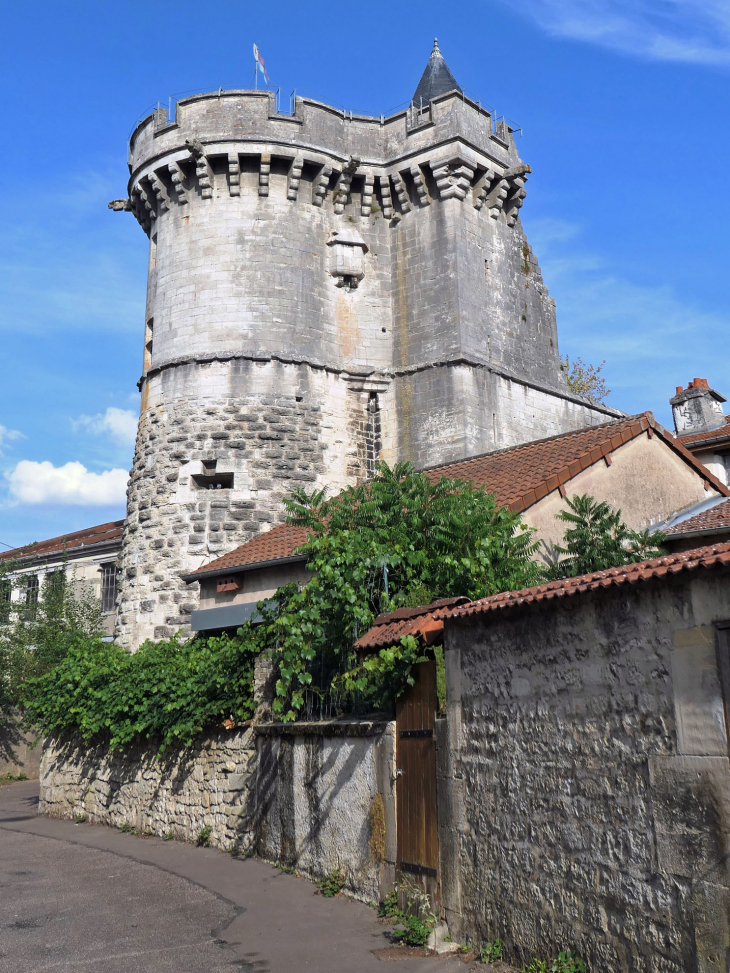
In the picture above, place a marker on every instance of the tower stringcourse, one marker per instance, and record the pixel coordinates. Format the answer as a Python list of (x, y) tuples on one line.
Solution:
[(324, 290)]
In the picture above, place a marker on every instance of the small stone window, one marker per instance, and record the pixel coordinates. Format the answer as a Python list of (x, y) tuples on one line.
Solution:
[(213, 481), (372, 436), (108, 587), (148, 334)]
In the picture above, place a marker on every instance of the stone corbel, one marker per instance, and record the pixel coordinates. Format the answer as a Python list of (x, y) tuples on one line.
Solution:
[(481, 189), (142, 207), (341, 192), (203, 170), (178, 182), (401, 192), (264, 174), (453, 177), (320, 185), (386, 197), (234, 174), (120, 205), (420, 183), (514, 200), (295, 176), (367, 194), (160, 191), (496, 196)]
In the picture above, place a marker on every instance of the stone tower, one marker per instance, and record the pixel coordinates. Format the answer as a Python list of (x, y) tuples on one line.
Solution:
[(324, 289)]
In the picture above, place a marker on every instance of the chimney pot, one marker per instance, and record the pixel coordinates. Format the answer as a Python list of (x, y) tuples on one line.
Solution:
[(680, 388)]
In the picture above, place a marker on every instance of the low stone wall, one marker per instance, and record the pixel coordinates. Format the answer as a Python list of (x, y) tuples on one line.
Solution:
[(315, 796), (207, 785), (325, 799), (17, 753)]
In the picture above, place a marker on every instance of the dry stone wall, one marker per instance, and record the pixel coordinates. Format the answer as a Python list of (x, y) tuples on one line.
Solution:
[(180, 793)]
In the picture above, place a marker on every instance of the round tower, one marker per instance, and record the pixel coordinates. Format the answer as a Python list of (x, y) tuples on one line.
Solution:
[(324, 289)]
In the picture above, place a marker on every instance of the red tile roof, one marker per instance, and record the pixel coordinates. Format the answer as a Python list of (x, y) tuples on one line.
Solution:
[(275, 544), (719, 435), (519, 477), (713, 556), (104, 533), (389, 628), (522, 475), (716, 518)]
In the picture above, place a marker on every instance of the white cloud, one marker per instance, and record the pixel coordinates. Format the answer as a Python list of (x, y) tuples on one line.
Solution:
[(120, 424), (696, 31), (6, 435), (70, 485)]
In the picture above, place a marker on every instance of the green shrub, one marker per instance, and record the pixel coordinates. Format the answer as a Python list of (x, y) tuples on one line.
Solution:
[(413, 932), (491, 952), (388, 908), (332, 883), (167, 691), (204, 834)]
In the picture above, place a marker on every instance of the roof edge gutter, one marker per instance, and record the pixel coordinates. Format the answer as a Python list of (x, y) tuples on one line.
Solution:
[(242, 568)]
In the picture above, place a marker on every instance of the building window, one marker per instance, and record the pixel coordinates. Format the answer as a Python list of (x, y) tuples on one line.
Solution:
[(6, 595), (372, 437), (726, 465), (108, 587), (31, 597), (55, 582)]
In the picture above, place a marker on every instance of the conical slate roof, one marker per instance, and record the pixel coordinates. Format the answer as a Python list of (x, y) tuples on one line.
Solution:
[(436, 79)]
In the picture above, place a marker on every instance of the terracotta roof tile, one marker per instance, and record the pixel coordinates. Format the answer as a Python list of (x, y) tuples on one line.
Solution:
[(720, 435), (390, 628), (515, 475), (279, 542), (518, 476), (111, 531), (713, 556), (716, 518)]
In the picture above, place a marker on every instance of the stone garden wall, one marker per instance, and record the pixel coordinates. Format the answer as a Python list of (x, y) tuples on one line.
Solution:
[(315, 797), (584, 784)]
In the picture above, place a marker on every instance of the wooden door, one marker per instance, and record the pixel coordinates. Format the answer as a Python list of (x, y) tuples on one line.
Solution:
[(417, 823)]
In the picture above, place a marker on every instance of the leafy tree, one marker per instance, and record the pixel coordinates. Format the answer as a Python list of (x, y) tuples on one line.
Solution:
[(586, 380), (393, 540), (596, 538), (40, 635)]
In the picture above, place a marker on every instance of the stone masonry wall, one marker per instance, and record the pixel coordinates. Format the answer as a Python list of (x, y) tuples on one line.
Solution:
[(585, 787), (313, 796), (270, 442), (178, 793)]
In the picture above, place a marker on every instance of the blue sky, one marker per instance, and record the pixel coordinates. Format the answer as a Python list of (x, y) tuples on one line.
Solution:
[(623, 110)]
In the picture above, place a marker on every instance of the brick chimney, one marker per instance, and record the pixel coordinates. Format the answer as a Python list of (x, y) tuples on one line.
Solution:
[(697, 408)]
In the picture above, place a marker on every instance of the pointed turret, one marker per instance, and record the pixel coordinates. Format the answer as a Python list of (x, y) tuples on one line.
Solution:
[(436, 79)]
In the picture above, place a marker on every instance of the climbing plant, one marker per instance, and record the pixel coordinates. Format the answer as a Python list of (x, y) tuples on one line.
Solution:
[(395, 540)]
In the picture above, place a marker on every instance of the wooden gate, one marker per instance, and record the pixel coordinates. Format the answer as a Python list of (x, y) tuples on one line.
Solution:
[(417, 823)]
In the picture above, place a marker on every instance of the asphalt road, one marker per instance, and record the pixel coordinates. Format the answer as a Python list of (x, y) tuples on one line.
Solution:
[(91, 899)]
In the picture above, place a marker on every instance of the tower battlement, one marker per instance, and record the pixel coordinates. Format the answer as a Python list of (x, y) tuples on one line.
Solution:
[(324, 290)]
